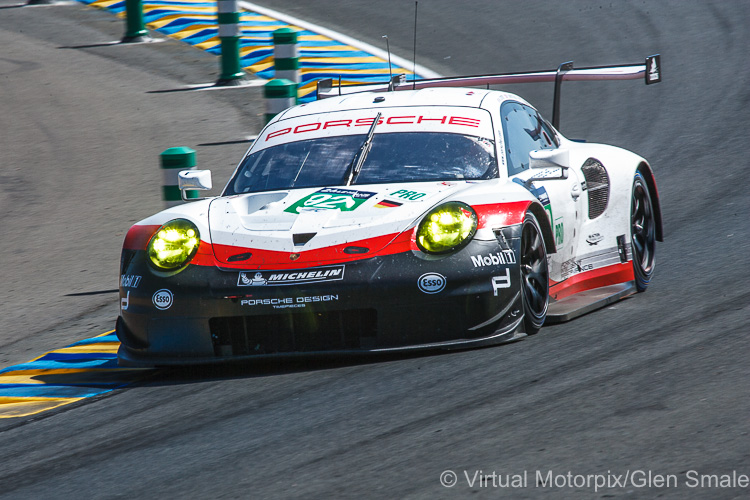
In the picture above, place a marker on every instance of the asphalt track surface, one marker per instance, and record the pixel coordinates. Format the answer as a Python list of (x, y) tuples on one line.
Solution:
[(656, 383)]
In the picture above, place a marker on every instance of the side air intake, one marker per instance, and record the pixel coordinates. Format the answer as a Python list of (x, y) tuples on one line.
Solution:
[(597, 183)]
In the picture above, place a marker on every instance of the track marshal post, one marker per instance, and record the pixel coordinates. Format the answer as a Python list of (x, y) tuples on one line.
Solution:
[(135, 30), (285, 55), (228, 17), (280, 94), (173, 161)]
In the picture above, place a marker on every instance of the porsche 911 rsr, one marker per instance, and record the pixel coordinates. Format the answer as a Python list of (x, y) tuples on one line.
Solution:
[(368, 221)]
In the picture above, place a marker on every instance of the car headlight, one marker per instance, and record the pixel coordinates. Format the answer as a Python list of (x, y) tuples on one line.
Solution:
[(173, 245), (446, 228)]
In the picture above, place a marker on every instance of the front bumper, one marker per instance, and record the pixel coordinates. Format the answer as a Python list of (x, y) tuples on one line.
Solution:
[(406, 301)]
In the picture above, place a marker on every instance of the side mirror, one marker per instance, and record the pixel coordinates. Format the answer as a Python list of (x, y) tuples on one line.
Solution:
[(193, 180), (545, 159), (549, 158)]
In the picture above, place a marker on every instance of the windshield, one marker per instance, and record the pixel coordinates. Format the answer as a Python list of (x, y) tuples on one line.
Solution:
[(394, 157)]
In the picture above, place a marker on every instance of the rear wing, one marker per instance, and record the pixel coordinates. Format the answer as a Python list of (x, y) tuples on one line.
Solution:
[(650, 71)]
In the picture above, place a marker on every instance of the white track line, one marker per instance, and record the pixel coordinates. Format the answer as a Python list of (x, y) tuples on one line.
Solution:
[(400, 61)]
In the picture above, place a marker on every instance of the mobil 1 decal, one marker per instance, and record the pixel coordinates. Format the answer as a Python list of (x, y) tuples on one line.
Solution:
[(331, 199)]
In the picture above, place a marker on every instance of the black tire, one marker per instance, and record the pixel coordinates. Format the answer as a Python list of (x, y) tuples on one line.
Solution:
[(534, 275), (642, 233)]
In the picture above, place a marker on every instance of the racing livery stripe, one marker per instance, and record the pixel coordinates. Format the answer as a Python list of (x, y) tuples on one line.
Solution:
[(496, 215), (588, 280), (490, 215), (388, 244), (138, 236)]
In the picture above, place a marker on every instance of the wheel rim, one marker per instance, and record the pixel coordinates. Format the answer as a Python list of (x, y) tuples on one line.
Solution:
[(534, 274), (643, 229)]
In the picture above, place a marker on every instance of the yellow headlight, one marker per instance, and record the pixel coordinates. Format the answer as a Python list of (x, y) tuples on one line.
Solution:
[(446, 228), (174, 244)]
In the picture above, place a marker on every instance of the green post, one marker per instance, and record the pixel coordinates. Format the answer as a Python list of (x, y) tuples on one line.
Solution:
[(286, 60), (229, 34), (280, 94), (174, 160), (135, 31)]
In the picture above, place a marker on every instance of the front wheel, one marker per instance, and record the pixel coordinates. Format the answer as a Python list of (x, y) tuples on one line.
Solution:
[(534, 275), (642, 233)]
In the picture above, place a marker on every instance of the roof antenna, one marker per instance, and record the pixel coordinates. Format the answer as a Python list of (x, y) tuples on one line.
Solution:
[(414, 75), (390, 71)]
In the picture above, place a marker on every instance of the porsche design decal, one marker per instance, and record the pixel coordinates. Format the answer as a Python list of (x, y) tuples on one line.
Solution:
[(331, 199), (270, 278), (289, 302)]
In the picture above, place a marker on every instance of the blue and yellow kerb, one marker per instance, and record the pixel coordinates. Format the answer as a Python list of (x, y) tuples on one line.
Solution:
[(195, 22), (81, 370)]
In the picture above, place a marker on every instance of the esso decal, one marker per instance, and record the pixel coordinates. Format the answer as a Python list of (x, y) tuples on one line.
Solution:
[(431, 283), (162, 299)]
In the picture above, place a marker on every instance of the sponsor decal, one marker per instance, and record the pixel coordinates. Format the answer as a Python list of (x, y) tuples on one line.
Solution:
[(540, 194), (162, 299), (408, 195), (594, 239), (501, 282), (289, 302), (559, 231), (431, 283), (387, 204), (295, 277), (367, 122), (345, 200), (494, 259), (124, 303), (129, 281), (653, 71)]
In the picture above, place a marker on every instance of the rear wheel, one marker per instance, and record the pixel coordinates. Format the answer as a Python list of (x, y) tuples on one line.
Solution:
[(642, 233), (534, 275)]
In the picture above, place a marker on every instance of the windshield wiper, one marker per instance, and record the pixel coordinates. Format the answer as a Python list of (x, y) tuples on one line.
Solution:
[(359, 159)]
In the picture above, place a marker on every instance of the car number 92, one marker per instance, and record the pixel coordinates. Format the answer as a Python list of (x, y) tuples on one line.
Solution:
[(431, 283)]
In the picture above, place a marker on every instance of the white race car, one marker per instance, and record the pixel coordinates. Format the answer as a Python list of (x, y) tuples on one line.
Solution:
[(412, 215)]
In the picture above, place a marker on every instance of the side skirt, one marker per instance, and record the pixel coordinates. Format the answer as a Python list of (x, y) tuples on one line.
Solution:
[(584, 302)]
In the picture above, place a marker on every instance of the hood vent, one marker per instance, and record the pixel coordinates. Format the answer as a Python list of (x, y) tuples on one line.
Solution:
[(300, 239)]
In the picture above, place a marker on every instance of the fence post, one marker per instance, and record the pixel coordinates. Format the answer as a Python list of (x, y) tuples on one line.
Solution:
[(279, 94), (173, 160), (229, 34), (135, 31), (285, 55)]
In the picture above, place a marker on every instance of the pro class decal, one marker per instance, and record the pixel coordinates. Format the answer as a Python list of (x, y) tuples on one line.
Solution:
[(265, 278), (431, 283), (331, 199), (408, 195), (162, 299)]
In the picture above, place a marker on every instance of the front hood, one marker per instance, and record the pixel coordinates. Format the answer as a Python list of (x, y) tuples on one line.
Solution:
[(347, 219)]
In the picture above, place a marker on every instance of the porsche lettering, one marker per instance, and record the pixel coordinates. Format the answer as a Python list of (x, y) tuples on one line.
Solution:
[(461, 121)]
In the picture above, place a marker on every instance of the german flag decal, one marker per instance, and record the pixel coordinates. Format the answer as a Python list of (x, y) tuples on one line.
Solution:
[(387, 204)]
